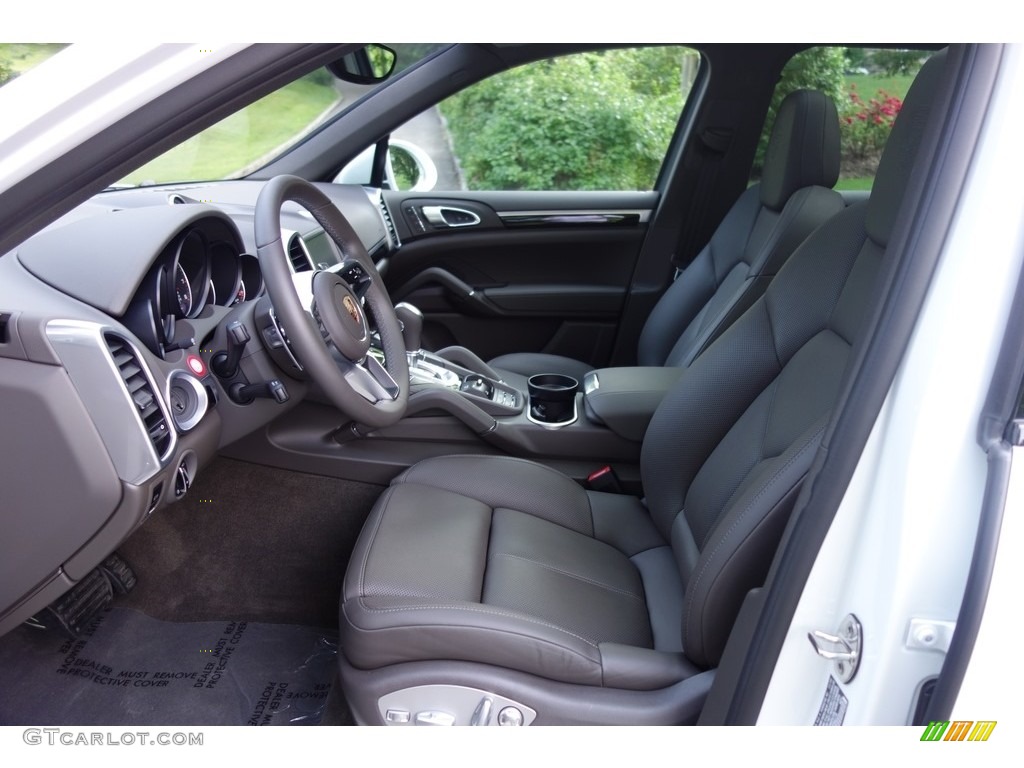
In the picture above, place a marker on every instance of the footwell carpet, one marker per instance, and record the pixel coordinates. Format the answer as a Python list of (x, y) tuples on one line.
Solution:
[(129, 669)]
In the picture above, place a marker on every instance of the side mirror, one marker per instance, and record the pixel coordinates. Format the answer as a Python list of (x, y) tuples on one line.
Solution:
[(371, 64), (407, 168)]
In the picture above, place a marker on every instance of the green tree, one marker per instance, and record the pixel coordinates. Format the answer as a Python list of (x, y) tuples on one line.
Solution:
[(895, 62), (855, 58), (599, 120)]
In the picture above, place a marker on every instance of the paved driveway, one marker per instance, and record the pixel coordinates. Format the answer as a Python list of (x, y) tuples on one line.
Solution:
[(428, 131)]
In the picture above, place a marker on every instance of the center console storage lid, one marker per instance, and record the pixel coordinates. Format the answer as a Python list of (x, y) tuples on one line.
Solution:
[(624, 399)]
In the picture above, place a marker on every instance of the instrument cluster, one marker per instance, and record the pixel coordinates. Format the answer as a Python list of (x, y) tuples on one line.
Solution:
[(201, 272)]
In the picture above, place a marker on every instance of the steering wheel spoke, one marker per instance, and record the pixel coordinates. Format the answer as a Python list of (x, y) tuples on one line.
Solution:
[(326, 311), (371, 380)]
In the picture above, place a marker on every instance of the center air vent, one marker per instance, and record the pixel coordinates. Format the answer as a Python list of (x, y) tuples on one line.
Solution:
[(298, 255), (140, 391)]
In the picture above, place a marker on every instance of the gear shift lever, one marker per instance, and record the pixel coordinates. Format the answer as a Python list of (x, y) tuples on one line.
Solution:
[(422, 370), (412, 325)]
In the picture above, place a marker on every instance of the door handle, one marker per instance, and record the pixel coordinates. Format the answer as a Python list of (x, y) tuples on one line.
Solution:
[(449, 216)]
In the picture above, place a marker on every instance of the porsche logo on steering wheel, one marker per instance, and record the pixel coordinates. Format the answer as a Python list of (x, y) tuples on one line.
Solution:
[(351, 308)]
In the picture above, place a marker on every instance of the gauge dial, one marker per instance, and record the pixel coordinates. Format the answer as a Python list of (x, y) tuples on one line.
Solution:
[(240, 296), (182, 291)]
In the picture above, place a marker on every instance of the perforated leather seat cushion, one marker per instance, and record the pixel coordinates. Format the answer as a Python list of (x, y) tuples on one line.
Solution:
[(530, 571)]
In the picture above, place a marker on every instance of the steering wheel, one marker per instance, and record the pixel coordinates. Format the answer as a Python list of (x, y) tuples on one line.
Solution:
[(330, 335)]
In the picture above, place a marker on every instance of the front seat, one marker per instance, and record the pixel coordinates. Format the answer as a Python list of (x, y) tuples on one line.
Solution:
[(495, 589), (756, 237)]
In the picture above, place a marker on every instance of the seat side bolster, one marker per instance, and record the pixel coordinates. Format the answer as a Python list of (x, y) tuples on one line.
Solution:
[(805, 211), (745, 540), (665, 593), (623, 522), (642, 669), (382, 631)]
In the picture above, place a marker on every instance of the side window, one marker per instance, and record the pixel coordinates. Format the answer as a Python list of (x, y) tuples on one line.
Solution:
[(588, 121), (868, 86)]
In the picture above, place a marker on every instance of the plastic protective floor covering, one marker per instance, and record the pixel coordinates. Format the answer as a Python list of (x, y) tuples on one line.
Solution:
[(129, 669)]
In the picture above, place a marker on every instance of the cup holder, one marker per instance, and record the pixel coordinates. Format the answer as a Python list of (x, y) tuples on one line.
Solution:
[(552, 399)]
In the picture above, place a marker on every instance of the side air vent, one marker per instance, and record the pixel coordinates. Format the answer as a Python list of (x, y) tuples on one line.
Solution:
[(140, 391), (176, 198), (389, 223), (298, 255)]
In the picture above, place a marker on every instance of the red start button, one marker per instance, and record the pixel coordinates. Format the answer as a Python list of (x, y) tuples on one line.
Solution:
[(196, 365)]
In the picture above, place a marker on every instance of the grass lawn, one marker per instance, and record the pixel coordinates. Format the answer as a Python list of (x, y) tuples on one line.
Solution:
[(863, 183), (21, 57), (868, 86), (228, 147)]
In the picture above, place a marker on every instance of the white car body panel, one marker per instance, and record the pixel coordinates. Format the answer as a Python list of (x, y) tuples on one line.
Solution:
[(987, 691), (902, 540)]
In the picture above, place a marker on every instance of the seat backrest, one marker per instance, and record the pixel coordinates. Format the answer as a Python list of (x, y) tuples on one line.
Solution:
[(756, 237), (727, 450)]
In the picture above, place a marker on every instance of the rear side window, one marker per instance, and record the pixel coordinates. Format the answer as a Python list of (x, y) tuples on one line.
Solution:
[(868, 86)]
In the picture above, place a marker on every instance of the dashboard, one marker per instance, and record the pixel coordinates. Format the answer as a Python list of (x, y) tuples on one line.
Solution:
[(113, 322)]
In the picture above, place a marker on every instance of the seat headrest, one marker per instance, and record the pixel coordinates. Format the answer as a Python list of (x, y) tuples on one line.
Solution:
[(803, 150), (901, 150)]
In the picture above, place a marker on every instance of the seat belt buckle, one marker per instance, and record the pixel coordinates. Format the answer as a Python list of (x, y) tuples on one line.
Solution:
[(604, 480)]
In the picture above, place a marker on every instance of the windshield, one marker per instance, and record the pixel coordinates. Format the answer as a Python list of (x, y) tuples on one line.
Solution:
[(256, 134), (251, 137)]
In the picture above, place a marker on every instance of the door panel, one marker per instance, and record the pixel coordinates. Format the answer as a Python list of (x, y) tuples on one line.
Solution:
[(502, 272)]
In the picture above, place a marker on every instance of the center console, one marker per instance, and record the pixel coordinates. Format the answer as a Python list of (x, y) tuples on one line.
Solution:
[(482, 385), (602, 419), (456, 370), (459, 405)]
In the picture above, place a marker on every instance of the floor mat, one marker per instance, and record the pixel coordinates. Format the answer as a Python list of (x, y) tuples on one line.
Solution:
[(250, 542), (130, 669)]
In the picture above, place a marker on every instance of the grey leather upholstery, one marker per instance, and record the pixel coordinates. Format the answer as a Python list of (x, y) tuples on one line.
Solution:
[(527, 573), (754, 240), (504, 563)]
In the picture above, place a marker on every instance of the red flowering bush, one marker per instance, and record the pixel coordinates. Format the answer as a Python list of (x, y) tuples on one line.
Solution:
[(865, 126)]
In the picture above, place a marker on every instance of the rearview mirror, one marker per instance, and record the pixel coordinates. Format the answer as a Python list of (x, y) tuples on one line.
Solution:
[(371, 64)]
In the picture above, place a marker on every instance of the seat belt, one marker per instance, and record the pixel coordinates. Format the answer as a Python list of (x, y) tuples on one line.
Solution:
[(714, 143)]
